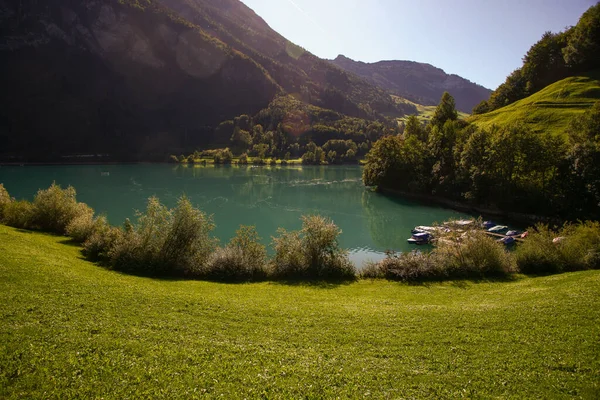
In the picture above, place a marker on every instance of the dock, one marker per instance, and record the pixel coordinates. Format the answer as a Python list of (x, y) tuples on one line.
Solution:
[(500, 236)]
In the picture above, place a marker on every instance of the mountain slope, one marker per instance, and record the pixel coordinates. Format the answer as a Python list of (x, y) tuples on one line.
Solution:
[(418, 82), (549, 110), (144, 78), (85, 76)]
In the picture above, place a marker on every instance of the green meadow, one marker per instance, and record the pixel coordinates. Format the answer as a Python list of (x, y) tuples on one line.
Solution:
[(71, 329), (551, 109)]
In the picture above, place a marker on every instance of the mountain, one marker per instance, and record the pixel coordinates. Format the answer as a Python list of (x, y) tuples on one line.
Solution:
[(138, 79), (418, 82), (551, 109)]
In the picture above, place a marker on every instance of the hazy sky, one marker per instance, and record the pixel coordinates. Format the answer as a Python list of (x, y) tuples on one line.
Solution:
[(481, 40)]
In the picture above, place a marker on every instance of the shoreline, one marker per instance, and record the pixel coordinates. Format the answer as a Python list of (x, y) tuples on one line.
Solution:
[(518, 218)]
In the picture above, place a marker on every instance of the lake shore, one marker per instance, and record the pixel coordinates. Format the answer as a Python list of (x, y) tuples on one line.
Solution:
[(486, 213)]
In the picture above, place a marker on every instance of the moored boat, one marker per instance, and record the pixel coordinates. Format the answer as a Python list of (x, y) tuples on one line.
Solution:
[(507, 240), (420, 238), (498, 229)]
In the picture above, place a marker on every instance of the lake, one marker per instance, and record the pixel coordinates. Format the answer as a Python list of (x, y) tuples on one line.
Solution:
[(266, 197)]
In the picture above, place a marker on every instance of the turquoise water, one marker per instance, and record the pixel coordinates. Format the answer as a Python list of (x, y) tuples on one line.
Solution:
[(266, 197)]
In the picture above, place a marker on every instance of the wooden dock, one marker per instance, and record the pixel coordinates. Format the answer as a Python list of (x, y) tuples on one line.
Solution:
[(500, 236)]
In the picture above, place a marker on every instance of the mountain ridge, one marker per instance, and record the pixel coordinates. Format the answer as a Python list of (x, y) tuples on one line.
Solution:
[(418, 82)]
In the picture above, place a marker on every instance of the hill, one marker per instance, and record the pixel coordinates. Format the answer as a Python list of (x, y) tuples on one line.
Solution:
[(139, 79), (551, 109), (418, 82), (72, 329), (423, 113)]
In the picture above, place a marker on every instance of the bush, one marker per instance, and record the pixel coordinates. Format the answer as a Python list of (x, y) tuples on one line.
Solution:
[(84, 225), (54, 208), (18, 214), (472, 256), (311, 253), (243, 259), (578, 249), (4, 199), (101, 240), (165, 242), (406, 267), (475, 255)]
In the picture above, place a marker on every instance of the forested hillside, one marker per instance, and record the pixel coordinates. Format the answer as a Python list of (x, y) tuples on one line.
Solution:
[(419, 82), (139, 79), (555, 56), (538, 155)]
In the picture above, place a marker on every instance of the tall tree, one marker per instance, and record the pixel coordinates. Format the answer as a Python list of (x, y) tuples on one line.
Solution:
[(445, 111)]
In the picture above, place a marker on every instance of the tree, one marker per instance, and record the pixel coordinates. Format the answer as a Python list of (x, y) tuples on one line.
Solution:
[(445, 111), (544, 63), (583, 45), (415, 128), (241, 139)]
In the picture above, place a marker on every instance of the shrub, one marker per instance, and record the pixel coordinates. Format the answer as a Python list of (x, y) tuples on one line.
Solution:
[(165, 242), (18, 214), (407, 267), (578, 249), (101, 240), (311, 253), (83, 226), (243, 259), (54, 208), (475, 255), (4, 199), (472, 256)]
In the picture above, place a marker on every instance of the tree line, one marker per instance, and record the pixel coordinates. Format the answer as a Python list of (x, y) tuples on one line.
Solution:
[(554, 57), (509, 168)]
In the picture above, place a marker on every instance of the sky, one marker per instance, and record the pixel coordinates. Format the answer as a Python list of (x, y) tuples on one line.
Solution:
[(480, 40)]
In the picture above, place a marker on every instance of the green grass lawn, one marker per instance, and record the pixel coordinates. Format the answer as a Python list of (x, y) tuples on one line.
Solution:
[(551, 109), (71, 329)]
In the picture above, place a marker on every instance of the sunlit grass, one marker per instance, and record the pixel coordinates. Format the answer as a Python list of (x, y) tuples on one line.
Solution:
[(424, 113), (71, 329), (551, 109)]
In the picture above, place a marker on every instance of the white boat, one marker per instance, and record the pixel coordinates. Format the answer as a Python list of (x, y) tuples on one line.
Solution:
[(498, 229)]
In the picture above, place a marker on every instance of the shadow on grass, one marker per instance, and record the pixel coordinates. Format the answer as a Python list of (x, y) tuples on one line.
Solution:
[(460, 282), (70, 242), (319, 284)]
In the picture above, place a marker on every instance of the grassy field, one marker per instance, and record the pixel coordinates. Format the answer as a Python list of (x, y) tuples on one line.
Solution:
[(551, 109), (71, 329), (424, 113)]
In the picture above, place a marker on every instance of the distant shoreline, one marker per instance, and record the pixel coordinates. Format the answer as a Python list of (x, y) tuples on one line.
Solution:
[(518, 218)]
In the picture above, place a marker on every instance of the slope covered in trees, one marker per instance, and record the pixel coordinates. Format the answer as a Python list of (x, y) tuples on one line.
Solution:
[(139, 79), (419, 82), (509, 168), (554, 57)]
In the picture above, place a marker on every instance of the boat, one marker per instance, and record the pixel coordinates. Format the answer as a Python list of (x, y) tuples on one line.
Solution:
[(488, 224), (507, 240), (420, 238), (463, 222), (498, 229), (423, 229), (513, 233)]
